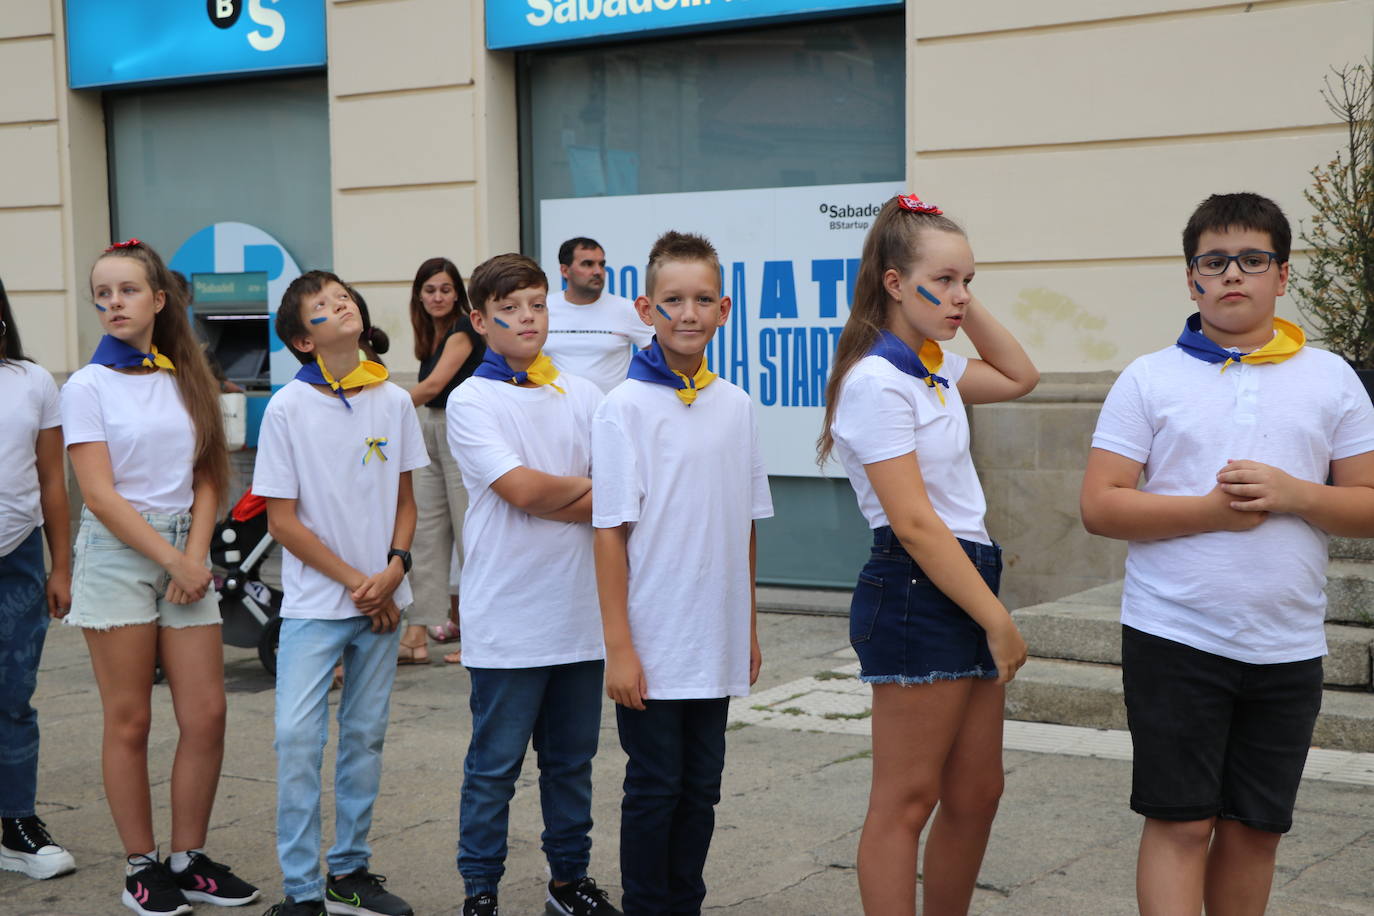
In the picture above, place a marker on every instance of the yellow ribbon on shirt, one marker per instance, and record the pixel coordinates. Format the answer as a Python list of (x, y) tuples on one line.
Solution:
[(543, 372), (932, 357), (374, 447)]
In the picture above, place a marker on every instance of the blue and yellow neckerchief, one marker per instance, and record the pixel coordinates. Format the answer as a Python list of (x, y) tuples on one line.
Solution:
[(542, 371), (922, 366), (365, 373), (650, 365), (1288, 340), (115, 353)]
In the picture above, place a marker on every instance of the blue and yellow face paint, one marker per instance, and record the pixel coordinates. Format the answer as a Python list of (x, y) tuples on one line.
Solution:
[(320, 320), (664, 312), (928, 294), (500, 323), (1198, 286)]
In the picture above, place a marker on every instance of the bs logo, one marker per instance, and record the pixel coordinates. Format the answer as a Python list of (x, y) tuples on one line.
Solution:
[(224, 13)]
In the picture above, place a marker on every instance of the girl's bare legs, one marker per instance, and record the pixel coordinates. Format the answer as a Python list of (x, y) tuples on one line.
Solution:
[(193, 660), (914, 729), (970, 788), (123, 659)]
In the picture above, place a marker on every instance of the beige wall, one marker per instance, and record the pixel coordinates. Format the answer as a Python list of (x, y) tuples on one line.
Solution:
[(54, 209), (423, 140), (1068, 136)]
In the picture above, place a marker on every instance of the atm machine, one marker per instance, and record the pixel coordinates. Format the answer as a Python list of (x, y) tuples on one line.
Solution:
[(230, 314)]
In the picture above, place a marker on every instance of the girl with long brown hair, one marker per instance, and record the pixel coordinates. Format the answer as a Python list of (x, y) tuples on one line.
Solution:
[(146, 440), (449, 350), (933, 640)]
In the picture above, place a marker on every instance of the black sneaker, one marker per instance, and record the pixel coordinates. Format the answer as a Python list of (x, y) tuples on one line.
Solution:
[(207, 881), (152, 891), (290, 907), (360, 893), (580, 898), (480, 905), (25, 846)]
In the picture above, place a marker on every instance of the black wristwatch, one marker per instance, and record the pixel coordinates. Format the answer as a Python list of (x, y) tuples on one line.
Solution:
[(403, 554)]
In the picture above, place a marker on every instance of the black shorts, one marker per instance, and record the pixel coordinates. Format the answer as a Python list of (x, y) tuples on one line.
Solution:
[(1215, 737)]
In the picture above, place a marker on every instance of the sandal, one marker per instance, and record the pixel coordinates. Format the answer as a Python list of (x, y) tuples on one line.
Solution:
[(444, 632), (412, 655), (454, 658)]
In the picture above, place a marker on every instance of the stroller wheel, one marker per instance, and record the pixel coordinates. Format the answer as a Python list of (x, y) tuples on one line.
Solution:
[(267, 645)]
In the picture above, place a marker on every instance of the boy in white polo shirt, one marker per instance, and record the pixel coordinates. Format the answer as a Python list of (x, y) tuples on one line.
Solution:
[(1235, 429), (678, 482), (521, 433), (337, 447), (592, 333)]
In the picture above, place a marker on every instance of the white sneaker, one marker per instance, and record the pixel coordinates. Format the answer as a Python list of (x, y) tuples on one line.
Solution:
[(26, 847)]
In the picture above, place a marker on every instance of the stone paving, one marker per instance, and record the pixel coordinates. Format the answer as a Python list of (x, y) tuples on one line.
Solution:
[(795, 791)]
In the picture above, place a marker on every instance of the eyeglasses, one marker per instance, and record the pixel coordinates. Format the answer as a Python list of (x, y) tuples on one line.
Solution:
[(1249, 262)]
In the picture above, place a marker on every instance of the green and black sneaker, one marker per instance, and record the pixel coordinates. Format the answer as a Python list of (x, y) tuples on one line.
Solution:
[(360, 893)]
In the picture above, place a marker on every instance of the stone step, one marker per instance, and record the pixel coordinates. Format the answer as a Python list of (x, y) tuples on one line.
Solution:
[(1089, 695), (817, 601), (1092, 633), (1350, 592), (1351, 549)]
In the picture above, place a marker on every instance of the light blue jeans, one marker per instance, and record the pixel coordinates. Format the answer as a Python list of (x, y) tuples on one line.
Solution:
[(305, 666)]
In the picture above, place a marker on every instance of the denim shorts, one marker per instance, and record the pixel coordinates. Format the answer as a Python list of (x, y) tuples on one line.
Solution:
[(904, 629), (114, 585)]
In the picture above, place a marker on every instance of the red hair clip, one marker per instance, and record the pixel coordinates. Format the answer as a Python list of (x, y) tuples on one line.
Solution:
[(916, 205), (129, 244)]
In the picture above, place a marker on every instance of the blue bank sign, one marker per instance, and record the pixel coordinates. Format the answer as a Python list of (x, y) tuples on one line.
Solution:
[(529, 23), (152, 41)]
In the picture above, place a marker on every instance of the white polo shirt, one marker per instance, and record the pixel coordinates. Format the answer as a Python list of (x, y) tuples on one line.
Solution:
[(1254, 596)]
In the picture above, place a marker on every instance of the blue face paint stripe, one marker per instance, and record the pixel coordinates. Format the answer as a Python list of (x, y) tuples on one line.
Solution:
[(1198, 287), (500, 323), (928, 294), (664, 312), (320, 320), (98, 306)]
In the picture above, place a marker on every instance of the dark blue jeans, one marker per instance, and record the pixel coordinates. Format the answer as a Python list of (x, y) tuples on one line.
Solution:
[(676, 751), (559, 707), (23, 627)]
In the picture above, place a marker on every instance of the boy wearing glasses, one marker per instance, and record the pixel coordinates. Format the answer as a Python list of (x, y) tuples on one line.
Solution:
[(1235, 429)]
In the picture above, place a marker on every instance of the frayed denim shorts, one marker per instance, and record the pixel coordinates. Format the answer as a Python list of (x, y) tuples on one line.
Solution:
[(114, 585), (904, 629)]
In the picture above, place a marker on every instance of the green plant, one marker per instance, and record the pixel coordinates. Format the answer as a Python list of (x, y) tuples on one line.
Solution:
[(1336, 287)]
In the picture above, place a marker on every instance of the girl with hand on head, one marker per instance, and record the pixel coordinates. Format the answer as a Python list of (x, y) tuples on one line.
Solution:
[(143, 430), (33, 503), (933, 640), (449, 350)]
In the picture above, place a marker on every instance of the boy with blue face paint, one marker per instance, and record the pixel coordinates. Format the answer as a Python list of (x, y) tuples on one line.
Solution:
[(337, 447), (521, 433), (1235, 429), (679, 482)]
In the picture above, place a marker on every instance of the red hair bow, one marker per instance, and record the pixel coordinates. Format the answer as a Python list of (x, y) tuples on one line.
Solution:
[(129, 244), (916, 205)]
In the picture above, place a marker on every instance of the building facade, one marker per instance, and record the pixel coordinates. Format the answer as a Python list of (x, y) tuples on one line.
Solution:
[(1071, 138)]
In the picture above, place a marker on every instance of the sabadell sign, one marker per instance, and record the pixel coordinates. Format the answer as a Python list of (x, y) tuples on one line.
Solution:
[(531, 23)]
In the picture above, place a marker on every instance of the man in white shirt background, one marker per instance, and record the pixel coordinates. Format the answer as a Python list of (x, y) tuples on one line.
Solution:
[(592, 333)]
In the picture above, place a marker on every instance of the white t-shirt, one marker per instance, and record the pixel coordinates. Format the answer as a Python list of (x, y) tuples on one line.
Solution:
[(143, 423), (596, 340), (528, 583), (690, 480), (884, 413), (1254, 596), (315, 450), (28, 403)]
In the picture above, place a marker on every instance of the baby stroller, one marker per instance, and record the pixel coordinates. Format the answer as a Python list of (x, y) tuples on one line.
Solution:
[(250, 608)]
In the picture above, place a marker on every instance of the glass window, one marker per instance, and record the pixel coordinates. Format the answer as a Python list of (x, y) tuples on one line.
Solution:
[(249, 151), (816, 103)]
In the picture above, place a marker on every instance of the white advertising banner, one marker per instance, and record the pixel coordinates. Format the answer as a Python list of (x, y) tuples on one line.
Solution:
[(789, 258)]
